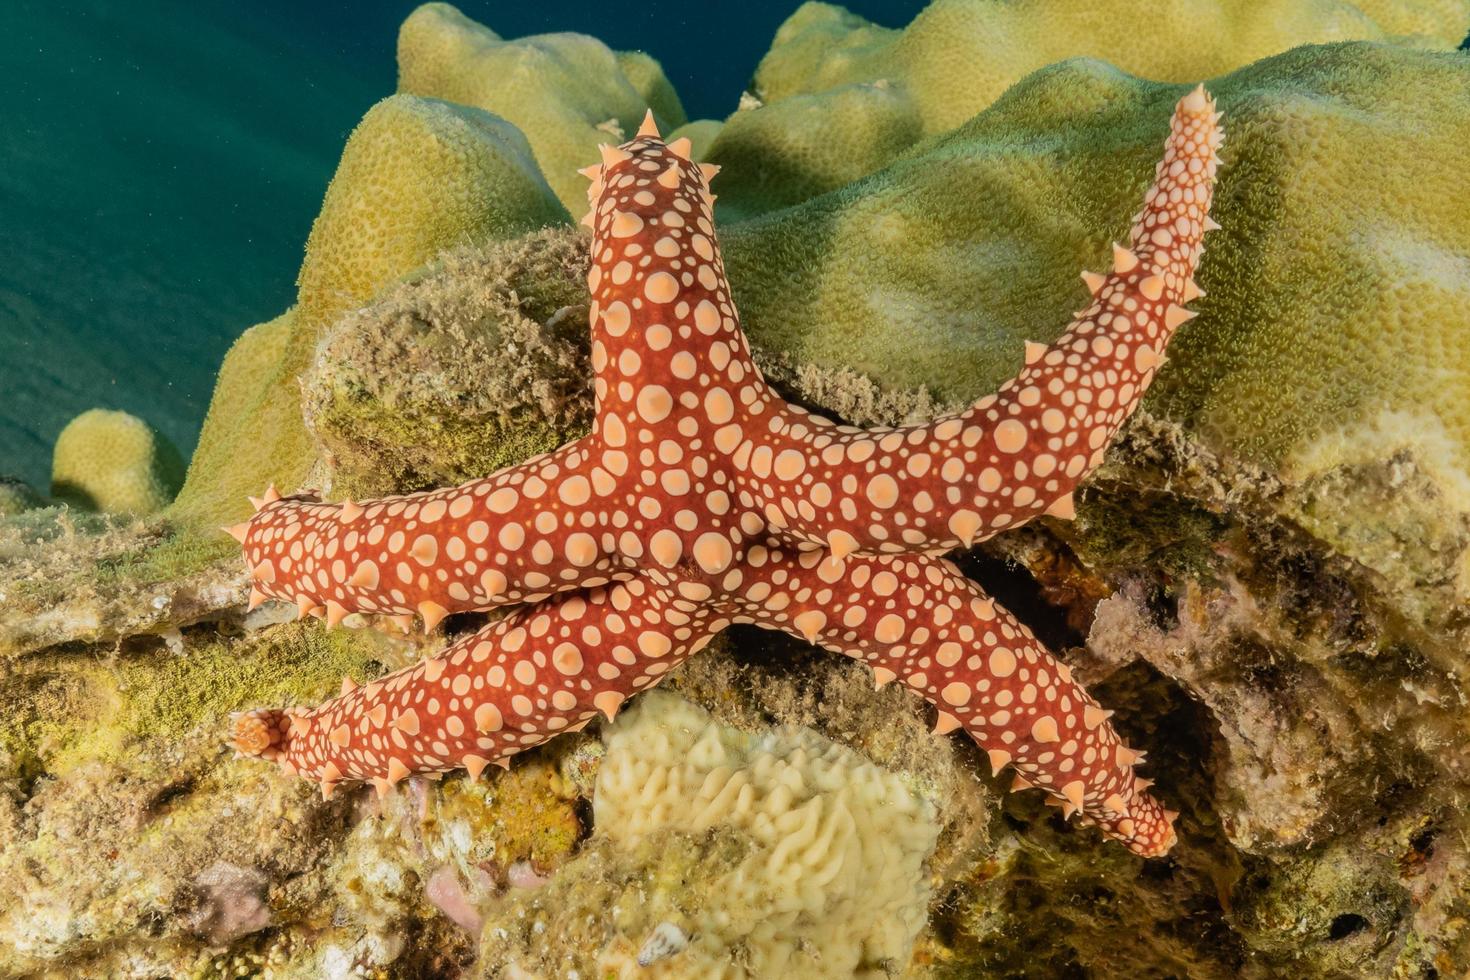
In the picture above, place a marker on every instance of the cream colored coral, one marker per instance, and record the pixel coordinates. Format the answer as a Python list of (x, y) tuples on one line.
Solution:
[(417, 176), (833, 884)]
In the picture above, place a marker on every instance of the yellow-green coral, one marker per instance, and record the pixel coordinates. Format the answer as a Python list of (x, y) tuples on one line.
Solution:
[(806, 145), (253, 434), (567, 92), (116, 463), (700, 133), (1336, 291), (958, 56), (417, 174)]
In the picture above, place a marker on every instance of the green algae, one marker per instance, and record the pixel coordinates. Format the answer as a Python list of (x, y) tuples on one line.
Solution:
[(92, 707)]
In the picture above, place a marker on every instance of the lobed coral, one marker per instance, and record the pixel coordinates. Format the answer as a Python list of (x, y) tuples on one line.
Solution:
[(116, 463), (862, 92), (566, 92), (417, 174)]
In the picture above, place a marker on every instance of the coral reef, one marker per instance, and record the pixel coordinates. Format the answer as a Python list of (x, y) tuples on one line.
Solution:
[(837, 96), (1267, 577), (416, 174), (785, 518), (811, 860), (115, 463), (567, 92)]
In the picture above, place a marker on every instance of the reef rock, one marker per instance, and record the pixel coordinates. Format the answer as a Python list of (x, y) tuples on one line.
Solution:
[(1268, 577)]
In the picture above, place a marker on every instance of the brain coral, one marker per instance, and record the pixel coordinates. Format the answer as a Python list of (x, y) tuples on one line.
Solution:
[(416, 174), (116, 463), (832, 881), (567, 92), (958, 56)]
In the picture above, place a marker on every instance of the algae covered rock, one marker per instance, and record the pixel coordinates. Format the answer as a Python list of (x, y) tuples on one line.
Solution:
[(116, 463), (497, 372), (16, 495), (566, 92), (416, 174)]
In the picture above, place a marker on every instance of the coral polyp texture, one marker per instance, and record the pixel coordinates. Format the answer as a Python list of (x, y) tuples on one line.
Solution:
[(831, 879), (115, 463), (702, 499), (567, 92)]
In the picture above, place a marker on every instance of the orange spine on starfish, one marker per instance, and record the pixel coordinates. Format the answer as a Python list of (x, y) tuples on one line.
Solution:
[(702, 498), (540, 671)]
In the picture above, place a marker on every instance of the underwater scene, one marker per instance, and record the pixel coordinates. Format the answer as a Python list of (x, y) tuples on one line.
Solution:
[(967, 489)]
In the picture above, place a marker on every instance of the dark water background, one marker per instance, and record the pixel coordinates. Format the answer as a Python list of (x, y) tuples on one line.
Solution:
[(161, 162)]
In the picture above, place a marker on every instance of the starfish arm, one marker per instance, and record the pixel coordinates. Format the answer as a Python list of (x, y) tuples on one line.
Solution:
[(1021, 452), (918, 620), (516, 683), (516, 536)]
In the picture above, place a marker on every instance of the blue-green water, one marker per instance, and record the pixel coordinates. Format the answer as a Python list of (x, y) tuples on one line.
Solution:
[(161, 162)]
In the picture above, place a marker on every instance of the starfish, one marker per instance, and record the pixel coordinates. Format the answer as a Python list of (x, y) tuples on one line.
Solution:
[(701, 498)]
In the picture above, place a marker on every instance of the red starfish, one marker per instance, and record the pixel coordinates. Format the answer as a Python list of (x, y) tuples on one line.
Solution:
[(702, 499)]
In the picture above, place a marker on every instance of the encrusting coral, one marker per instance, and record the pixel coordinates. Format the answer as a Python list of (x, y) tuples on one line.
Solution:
[(823, 568), (115, 463)]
